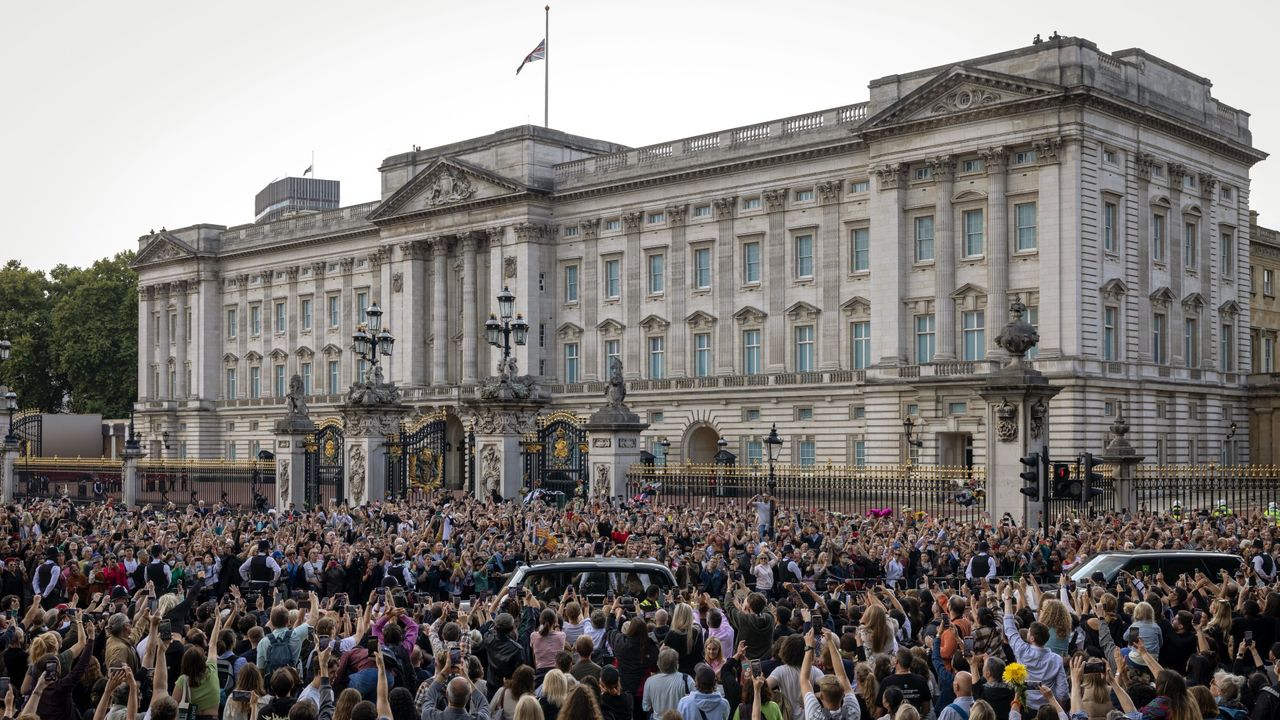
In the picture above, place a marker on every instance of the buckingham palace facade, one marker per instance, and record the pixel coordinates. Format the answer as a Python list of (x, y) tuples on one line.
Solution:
[(831, 273)]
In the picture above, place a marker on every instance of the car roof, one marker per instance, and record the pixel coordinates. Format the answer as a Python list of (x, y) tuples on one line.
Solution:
[(1181, 553), (597, 562)]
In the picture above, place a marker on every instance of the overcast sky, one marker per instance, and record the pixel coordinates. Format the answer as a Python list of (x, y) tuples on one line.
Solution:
[(123, 115)]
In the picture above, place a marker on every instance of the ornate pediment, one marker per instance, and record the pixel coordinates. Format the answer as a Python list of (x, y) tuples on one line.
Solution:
[(331, 350), (230, 359), (446, 182), (803, 312), (253, 356), (1194, 302), (1229, 308), (968, 290), (960, 90), (569, 331), (750, 316), (856, 306), (304, 352), (1114, 289), (161, 247), (653, 323), (699, 320), (610, 328), (1162, 297), (279, 355)]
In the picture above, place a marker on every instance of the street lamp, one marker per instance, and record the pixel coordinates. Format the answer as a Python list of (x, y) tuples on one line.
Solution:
[(772, 444), (500, 333), (665, 444), (131, 444), (5, 346), (372, 340), (10, 404), (908, 426)]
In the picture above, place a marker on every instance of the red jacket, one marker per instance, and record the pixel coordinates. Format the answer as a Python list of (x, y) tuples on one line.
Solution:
[(115, 575)]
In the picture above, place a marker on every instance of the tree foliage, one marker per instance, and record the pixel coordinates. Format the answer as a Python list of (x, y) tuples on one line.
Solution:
[(75, 336)]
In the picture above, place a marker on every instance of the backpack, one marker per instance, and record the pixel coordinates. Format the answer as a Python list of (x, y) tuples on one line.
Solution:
[(279, 652), (981, 566), (954, 707)]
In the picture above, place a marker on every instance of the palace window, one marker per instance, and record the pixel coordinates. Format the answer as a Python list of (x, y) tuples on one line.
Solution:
[(1110, 348), (1226, 347), (657, 218), (974, 228), (1159, 333), (750, 352), (281, 311), (702, 355), (306, 377), (701, 211), (612, 351), (751, 203), (335, 310), (1157, 237), (804, 348), (231, 323), (1109, 214), (571, 362), (613, 224), (860, 186), (804, 195), (571, 283), (1191, 341), (924, 238), (612, 279), (1026, 216), (859, 452), (255, 320), (806, 452), (305, 312), (333, 377), (279, 389), (751, 263), (255, 382), (861, 332), (1228, 251), (657, 357), (657, 273), (702, 268), (362, 302), (975, 336), (804, 256), (925, 338), (1189, 241), (860, 249)]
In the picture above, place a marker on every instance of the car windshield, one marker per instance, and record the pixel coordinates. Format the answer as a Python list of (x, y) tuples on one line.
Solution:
[(551, 584), (1105, 564)]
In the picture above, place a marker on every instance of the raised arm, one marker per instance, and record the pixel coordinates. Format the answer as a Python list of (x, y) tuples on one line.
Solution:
[(832, 646), (805, 667), (384, 701)]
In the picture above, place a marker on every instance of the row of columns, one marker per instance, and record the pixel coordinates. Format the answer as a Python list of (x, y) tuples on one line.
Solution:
[(155, 303)]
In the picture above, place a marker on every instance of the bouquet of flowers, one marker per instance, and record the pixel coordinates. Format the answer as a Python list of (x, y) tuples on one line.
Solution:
[(1015, 675)]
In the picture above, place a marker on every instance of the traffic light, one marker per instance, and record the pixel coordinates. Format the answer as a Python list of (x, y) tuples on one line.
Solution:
[(1092, 479), (1032, 476), (1063, 486)]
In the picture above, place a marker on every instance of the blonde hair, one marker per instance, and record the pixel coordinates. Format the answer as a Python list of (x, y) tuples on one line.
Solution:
[(682, 622), (879, 634), (1054, 615), (865, 675), (555, 687), (528, 708), (981, 710), (907, 711), (43, 644), (1144, 612), (1221, 617)]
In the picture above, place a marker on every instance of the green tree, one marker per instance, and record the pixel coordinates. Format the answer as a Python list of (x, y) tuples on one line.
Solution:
[(25, 319), (95, 334)]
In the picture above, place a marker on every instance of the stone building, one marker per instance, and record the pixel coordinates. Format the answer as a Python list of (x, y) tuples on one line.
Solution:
[(1264, 391), (831, 272)]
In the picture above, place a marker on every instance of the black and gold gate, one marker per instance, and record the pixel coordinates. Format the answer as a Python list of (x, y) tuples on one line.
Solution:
[(556, 454), (325, 463), (28, 427), (416, 459)]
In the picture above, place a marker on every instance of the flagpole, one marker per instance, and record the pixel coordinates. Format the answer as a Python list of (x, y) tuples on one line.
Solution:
[(546, 70)]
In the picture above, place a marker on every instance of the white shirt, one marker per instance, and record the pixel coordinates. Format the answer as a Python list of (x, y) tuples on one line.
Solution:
[(764, 576), (55, 573), (271, 564)]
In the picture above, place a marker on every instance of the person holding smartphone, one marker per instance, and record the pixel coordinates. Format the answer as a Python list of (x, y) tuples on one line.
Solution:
[(57, 700)]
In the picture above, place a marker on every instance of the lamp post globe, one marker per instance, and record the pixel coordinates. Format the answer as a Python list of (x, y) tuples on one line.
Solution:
[(506, 303)]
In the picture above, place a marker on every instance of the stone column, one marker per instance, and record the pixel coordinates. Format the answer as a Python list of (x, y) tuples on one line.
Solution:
[(129, 474), (1017, 399), (944, 266), (994, 161), (499, 428), (291, 462), (633, 269), (162, 357), (365, 443), (1176, 228), (439, 311), (775, 282), (891, 337), (588, 291), (470, 329), (1135, 310), (9, 490), (680, 282), (728, 277), (146, 299), (831, 269), (180, 340), (1126, 459)]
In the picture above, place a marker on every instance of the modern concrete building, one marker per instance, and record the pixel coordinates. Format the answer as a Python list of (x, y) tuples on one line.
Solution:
[(831, 272)]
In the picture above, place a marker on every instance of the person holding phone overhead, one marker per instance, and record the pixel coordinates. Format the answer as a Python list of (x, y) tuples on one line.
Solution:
[(57, 700)]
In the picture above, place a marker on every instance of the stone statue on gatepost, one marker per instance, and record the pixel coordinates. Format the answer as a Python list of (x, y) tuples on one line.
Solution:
[(615, 437), (291, 432), (1121, 453), (503, 410), (1017, 398)]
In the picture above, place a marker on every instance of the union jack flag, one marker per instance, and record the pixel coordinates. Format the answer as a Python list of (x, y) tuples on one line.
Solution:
[(539, 53)]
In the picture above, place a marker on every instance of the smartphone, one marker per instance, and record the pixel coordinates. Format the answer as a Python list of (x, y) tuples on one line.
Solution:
[(849, 630), (608, 596), (1248, 636), (1095, 667), (1133, 636), (353, 612), (51, 671), (71, 612), (151, 604), (455, 657), (322, 643), (240, 695), (755, 669), (968, 646), (4, 686), (464, 606)]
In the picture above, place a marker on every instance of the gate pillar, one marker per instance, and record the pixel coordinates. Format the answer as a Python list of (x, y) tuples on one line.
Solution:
[(1126, 459), (291, 463), (499, 428), (615, 438), (10, 471), (1017, 399), (369, 430)]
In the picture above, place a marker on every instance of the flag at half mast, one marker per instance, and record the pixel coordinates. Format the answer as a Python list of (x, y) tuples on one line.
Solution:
[(539, 53)]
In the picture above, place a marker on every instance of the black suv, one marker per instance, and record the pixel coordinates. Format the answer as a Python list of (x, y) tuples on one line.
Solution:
[(1170, 562), (594, 577)]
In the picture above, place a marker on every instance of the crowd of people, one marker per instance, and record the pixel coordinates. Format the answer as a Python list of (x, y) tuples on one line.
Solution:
[(406, 610)]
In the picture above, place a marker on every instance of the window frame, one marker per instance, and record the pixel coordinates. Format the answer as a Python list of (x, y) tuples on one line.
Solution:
[(657, 357), (571, 280), (1159, 338), (1159, 236), (572, 358), (860, 345), (612, 283), (656, 273), (698, 269), (977, 333), (703, 361), (748, 264), (798, 258), (1033, 228), (752, 352), (926, 338), (1110, 333), (918, 223), (965, 216), (306, 313), (804, 348), (855, 251), (1110, 216)]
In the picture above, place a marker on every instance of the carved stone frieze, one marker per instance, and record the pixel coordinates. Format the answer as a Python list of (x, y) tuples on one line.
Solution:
[(891, 176), (676, 214), (397, 282), (510, 266), (449, 186), (1048, 150), (501, 420), (590, 228), (775, 199), (965, 98), (829, 190), (631, 221), (1006, 422), (356, 474), (725, 206)]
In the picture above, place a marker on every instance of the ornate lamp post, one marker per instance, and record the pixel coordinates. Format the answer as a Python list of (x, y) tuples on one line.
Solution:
[(772, 444), (501, 332), (372, 341), (5, 347), (10, 405), (665, 445), (908, 427), (131, 443)]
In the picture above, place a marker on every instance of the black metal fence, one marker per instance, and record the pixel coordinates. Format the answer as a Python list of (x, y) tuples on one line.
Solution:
[(232, 482), (1206, 488), (863, 490), (80, 480)]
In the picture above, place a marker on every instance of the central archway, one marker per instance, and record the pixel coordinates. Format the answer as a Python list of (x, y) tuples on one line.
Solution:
[(701, 445)]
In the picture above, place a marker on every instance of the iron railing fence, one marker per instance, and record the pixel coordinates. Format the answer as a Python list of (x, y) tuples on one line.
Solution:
[(935, 490), (81, 480), (238, 483), (1204, 488)]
